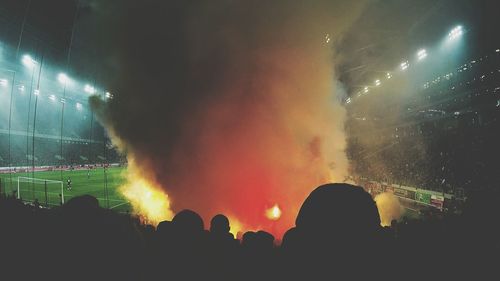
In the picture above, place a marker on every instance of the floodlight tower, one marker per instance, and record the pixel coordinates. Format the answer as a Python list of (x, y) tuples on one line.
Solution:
[(10, 122), (31, 64)]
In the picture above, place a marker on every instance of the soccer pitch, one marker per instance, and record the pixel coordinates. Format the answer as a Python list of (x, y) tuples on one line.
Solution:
[(81, 184)]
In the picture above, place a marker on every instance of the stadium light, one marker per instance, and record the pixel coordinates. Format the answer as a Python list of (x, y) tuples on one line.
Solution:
[(52, 97), (89, 89), (404, 65), (63, 78), (108, 95), (455, 32), (388, 75), (421, 54), (4, 82), (365, 89), (78, 106), (377, 82), (28, 61)]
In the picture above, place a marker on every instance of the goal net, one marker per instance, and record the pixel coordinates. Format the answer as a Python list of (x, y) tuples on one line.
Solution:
[(46, 192)]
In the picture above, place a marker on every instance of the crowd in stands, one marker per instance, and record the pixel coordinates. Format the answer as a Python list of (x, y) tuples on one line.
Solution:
[(48, 151), (445, 137), (337, 235)]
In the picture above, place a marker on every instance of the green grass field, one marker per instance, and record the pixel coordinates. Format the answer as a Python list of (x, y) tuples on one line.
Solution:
[(81, 184)]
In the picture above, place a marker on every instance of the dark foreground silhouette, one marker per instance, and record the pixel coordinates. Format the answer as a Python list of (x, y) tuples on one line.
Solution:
[(337, 235)]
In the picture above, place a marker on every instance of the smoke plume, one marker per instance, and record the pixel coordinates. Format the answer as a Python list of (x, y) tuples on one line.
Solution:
[(227, 106), (388, 207)]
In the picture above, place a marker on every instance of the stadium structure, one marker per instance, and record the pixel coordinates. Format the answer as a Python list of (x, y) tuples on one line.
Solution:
[(46, 122), (429, 123)]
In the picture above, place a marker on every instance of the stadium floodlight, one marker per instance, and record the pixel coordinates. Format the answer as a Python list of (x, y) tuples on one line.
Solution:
[(455, 32), (388, 75), (28, 61), (421, 54), (89, 89), (404, 65), (52, 97), (79, 106), (108, 95), (4, 82), (63, 78), (497, 50), (377, 82), (36, 92), (365, 89)]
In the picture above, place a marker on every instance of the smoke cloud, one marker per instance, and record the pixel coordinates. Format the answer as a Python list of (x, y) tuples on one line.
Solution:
[(388, 207), (227, 106)]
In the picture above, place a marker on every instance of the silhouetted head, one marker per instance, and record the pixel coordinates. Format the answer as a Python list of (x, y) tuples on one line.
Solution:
[(338, 211), (188, 221), (290, 238), (265, 239), (219, 224), (164, 227), (83, 202), (248, 239)]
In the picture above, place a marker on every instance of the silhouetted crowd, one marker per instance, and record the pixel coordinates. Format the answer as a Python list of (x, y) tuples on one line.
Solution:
[(337, 236)]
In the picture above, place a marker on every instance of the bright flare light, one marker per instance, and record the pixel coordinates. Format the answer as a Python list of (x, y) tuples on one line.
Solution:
[(36, 92), (421, 54), (21, 88), (365, 89), (377, 82), (78, 106), (52, 97), (28, 61), (404, 65), (4, 82), (388, 75), (273, 213), (455, 32)]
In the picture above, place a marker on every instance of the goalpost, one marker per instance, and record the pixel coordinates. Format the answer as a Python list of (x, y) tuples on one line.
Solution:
[(50, 192)]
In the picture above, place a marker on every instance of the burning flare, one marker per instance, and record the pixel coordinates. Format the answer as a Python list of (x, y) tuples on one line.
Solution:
[(235, 227), (147, 199), (273, 213)]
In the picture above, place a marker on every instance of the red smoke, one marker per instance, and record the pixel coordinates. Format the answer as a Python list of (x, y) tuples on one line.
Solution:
[(231, 107)]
